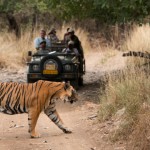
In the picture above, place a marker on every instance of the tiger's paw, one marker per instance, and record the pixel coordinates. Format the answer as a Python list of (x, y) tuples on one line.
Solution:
[(36, 135), (67, 131)]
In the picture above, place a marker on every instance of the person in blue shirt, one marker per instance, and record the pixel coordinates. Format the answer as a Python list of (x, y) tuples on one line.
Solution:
[(39, 39)]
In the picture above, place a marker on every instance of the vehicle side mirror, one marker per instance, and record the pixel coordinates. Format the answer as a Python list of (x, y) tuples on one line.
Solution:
[(29, 53)]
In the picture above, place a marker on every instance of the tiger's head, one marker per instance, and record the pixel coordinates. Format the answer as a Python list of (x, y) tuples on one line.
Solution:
[(68, 94)]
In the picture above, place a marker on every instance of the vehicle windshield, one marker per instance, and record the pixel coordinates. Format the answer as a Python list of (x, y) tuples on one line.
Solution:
[(61, 57)]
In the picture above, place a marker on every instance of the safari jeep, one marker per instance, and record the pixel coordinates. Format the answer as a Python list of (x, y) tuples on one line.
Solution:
[(55, 65)]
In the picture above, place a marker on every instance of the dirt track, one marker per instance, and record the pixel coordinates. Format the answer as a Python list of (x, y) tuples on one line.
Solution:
[(81, 116)]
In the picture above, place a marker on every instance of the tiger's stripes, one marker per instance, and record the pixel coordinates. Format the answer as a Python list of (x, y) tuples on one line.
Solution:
[(137, 54), (17, 98)]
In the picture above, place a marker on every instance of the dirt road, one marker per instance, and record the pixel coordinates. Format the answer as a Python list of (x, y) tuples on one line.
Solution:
[(81, 117)]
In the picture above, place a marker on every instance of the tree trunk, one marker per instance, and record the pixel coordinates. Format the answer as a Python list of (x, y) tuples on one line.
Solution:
[(34, 20), (13, 26)]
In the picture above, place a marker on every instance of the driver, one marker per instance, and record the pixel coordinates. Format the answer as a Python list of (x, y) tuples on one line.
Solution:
[(42, 47)]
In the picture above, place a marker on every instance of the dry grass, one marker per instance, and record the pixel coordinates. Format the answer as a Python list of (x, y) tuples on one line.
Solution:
[(138, 40), (141, 135), (13, 52), (108, 53), (130, 91)]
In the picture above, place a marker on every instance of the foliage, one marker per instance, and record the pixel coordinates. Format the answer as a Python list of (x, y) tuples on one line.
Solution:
[(106, 11), (110, 11), (23, 6), (126, 101)]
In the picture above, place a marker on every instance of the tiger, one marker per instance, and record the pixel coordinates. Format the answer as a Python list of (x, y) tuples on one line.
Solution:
[(33, 98), (137, 54)]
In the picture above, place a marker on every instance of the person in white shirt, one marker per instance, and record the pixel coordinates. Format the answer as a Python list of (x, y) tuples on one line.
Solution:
[(39, 39)]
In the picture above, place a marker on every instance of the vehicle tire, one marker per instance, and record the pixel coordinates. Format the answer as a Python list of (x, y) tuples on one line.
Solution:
[(56, 60), (80, 81), (75, 84)]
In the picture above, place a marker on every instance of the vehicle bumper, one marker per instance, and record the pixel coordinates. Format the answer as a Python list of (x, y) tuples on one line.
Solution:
[(39, 76)]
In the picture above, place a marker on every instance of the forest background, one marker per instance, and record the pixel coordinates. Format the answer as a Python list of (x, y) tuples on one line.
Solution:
[(97, 15)]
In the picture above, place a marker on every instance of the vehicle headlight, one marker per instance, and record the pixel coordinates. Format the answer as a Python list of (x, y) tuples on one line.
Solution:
[(68, 67), (35, 67)]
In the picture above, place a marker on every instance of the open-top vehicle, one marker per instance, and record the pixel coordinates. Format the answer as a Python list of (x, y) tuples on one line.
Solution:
[(55, 65)]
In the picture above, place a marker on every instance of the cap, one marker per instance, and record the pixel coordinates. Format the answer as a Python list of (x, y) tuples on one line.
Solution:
[(52, 31)]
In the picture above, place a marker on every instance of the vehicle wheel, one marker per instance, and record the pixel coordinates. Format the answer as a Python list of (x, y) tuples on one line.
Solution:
[(80, 81), (56, 61), (75, 84)]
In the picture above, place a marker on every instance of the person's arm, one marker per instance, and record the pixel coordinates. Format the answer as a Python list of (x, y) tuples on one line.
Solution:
[(76, 52), (57, 39), (78, 45), (81, 52)]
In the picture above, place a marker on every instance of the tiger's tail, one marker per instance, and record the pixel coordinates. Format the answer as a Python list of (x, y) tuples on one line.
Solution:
[(137, 54)]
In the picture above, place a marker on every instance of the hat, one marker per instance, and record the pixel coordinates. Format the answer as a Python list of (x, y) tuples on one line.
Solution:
[(52, 31), (42, 42)]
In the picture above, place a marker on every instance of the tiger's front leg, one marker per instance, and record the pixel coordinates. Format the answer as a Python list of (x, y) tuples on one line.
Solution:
[(54, 116), (33, 116)]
